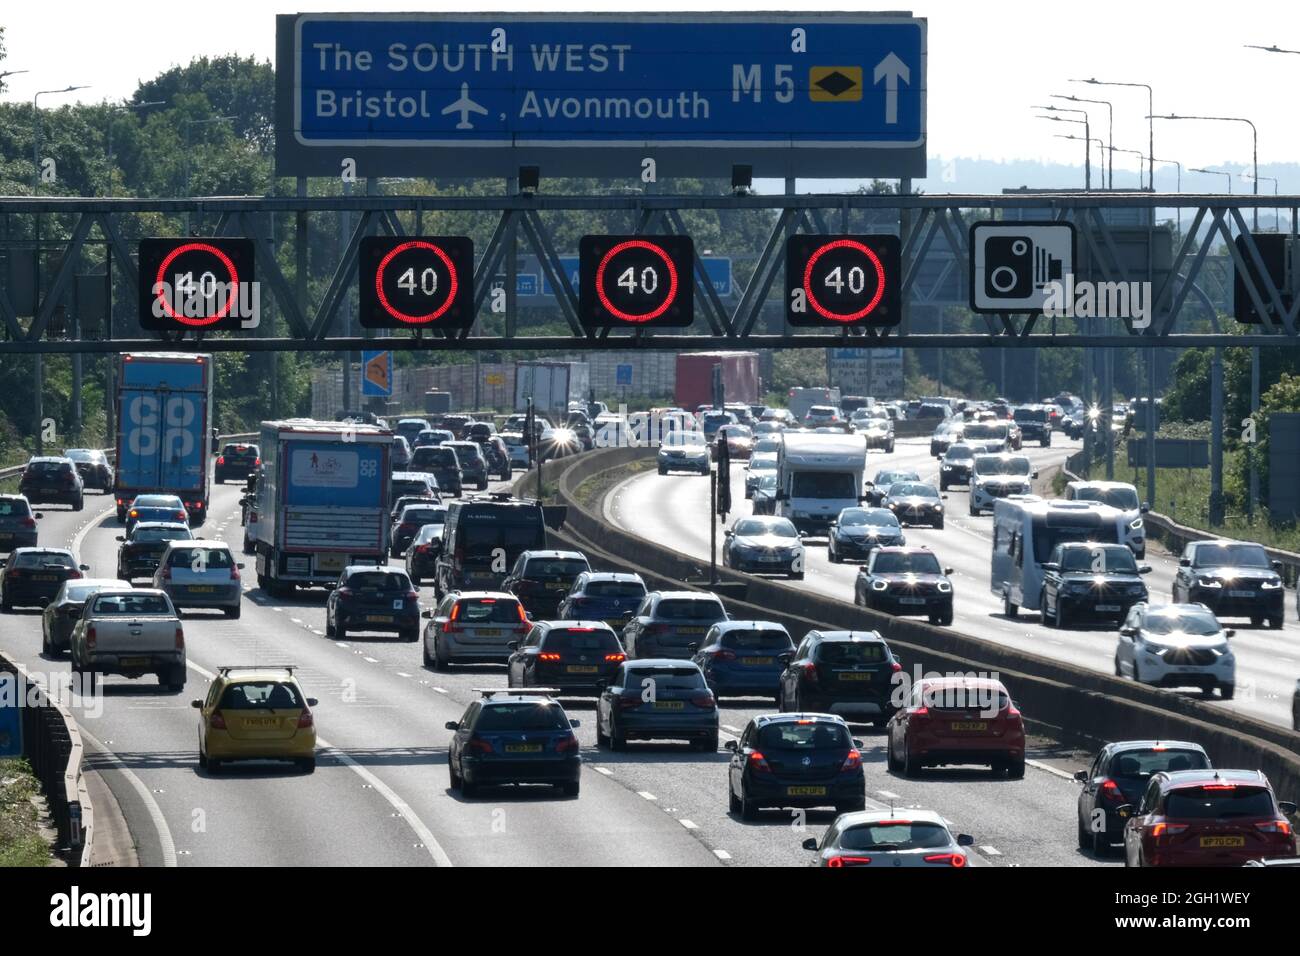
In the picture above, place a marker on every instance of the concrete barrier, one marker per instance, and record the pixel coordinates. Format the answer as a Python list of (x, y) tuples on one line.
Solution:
[(1071, 702)]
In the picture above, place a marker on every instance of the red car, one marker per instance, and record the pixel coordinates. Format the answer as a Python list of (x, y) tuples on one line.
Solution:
[(1207, 818), (957, 720)]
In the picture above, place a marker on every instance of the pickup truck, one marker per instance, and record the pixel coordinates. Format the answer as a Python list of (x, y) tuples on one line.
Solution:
[(130, 632)]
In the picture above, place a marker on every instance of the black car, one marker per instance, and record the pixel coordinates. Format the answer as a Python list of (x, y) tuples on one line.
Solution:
[(575, 657), (1035, 423), (479, 431), (17, 523), (657, 699), (671, 623), (1083, 581), (1232, 579), (840, 672), (956, 466), (856, 532), (795, 760), (1119, 775), (140, 551), (92, 464), (64, 611), (458, 425), (494, 453), (32, 576), (514, 737), (442, 462), (422, 553), (878, 487), (607, 596), (411, 520), (914, 502), (52, 481), (373, 599), (541, 579), (236, 462), (905, 581), (482, 540)]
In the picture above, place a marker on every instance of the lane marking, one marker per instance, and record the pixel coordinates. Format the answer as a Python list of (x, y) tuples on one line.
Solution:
[(402, 674), (646, 795), (689, 824), (990, 851), (603, 770), (441, 690), (734, 730), (165, 841), (1048, 768), (369, 660), (722, 854), (888, 795)]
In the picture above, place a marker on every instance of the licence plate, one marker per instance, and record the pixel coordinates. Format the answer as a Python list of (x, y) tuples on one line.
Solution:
[(1222, 841), (523, 748), (488, 632), (380, 618), (45, 577), (201, 589), (6, 535), (756, 661), (1108, 608), (690, 630), (557, 586), (262, 722), (133, 661), (857, 676), (805, 791), (330, 562), (669, 705), (581, 669), (911, 600), (1243, 594), (969, 725)]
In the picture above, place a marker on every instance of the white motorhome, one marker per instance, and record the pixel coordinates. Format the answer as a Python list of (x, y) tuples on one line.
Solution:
[(802, 399), (817, 475), (1025, 530)]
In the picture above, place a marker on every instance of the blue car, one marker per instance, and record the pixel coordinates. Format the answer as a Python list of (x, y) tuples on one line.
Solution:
[(743, 658), (513, 736), (795, 760), (603, 596), (657, 699)]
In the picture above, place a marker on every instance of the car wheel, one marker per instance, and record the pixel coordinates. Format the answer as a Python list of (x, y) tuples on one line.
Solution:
[(306, 764), (938, 525), (892, 763), (911, 766), (1009, 609), (830, 556), (233, 613), (1275, 623), (340, 632), (80, 504), (709, 744), (1118, 672), (943, 485), (45, 643), (1256, 620), (214, 766), (1059, 619), (616, 740), (329, 626), (203, 760), (1137, 671), (1099, 845), (733, 801), (440, 660), (467, 789), (601, 739), (571, 789), (1084, 838), (1016, 769), (796, 575), (1226, 691), (5, 606), (974, 512), (945, 619), (748, 808)]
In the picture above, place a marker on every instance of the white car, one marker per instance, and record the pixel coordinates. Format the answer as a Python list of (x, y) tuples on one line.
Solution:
[(760, 464), (1176, 645), (1121, 495), (200, 573), (684, 451), (997, 476)]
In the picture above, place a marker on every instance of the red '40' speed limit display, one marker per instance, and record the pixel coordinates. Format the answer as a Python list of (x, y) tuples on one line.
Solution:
[(636, 281), (197, 284), (843, 280), (416, 282)]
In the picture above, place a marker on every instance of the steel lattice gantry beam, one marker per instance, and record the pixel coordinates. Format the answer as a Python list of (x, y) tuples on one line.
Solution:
[(930, 226)]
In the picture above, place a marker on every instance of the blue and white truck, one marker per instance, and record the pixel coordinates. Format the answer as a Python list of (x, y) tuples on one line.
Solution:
[(164, 429), (322, 502)]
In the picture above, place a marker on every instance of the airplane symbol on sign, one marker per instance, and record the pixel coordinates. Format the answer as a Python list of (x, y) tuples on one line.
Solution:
[(464, 106)]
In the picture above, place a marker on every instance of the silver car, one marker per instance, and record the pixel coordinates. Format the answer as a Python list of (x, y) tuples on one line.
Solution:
[(889, 838), (201, 573)]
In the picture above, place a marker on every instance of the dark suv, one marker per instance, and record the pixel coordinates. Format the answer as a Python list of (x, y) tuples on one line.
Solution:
[(473, 466), (373, 599), (92, 464), (795, 760), (1091, 581), (52, 481), (575, 657), (483, 538), (905, 581), (671, 623), (840, 672), (1232, 579), (139, 554), (17, 523), (541, 579), (442, 462), (33, 576), (237, 461), (1035, 423), (497, 457)]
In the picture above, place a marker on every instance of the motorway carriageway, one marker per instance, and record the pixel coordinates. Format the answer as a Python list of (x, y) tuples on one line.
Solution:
[(673, 511), (380, 794)]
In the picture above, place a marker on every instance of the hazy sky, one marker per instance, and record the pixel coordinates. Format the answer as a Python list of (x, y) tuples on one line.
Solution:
[(989, 62)]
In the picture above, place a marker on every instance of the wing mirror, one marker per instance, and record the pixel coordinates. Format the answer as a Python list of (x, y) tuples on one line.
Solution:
[(785, 659), (1144, 508), (84, 567), (1033, 474), (1081, 776), (728, 534), (240, 566), (944, 497), (858, 743), (1051, 566), (120, 537), (513, 646), (1230, 632), (39, 515), (810, 843), (427, 613), (452, 725), (730, 745), (1125, 810), (1287, 806), (1277, 566), (947, 572), (1184, 562), (196, 703), (965, 839), (312, 701), (1144, 569), (575, 723)]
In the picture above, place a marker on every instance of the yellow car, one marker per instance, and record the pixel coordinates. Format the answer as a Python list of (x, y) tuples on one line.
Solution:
[(256, 713)]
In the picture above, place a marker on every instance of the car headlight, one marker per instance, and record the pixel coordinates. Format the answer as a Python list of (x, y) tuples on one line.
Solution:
[(945, 587), (947, 467), (1135, 524), (879, 586), (938, 507), (1270, 585), (1209, 582)]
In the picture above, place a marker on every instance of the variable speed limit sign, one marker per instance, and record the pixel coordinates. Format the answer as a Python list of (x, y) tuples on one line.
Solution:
[(197, 285), (841, 281), (416, 282), (636, 281)]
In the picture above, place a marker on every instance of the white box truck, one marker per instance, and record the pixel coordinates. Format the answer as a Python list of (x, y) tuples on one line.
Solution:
[(818, 475), (551, 386)]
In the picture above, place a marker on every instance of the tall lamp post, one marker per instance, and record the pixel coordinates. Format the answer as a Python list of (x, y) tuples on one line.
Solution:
[(1101, 148), (1087, 133), (1151, 134), (1254, 145), (1227, 176), (1110, 131)]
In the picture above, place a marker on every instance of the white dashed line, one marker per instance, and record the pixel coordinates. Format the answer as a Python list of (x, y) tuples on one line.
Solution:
[(722, 854), (991, 851), (278, 610), (603, 770), (646, 795), (888, 795), (342, 645), (690, 825), (734, 730), (1054, 771), (296, 620), (369, 660), (441, 690), (402, 674)]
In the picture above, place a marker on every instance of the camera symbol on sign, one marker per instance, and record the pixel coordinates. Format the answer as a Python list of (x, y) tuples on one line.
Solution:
[(1014, 265), (1015, 268)]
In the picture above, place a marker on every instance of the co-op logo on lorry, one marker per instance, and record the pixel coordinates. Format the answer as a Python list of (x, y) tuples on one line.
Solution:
[(145, 438)]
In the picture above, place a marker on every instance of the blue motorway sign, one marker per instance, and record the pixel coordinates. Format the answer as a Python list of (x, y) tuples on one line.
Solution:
[(580, 94), (623, 375)]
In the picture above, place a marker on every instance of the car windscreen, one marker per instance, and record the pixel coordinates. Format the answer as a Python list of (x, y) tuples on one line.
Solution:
[(964, 697), (43, 559), (959, 453), (378, 581), (1126, 499), (911, 489), (47, 468), (1231, 556), (804, 735), (154, 535), (82, 454), (429, 532), (980, 431), (423, 516), (665, 678), (614, 589), (15, 508), (884, 479), (518, 530), (894, 835), (997, 465), (1140, 764), (1196, 623), (757, 639), (156, 501), (852, 652), (824, 484), (860, 517), (757, 527), (79, 591), (487, 611), (582, 639), (735, 431), (1030, 414), (1047, 537), (1219, 802), (767, 482), (131, 604), (683, 439), (767, 445), (1117, 560), (200, 558), (685, 609), (409, 486), (468, 454), (252, 695), (560, 568), (905, 562), (521, 716), (434, 456)]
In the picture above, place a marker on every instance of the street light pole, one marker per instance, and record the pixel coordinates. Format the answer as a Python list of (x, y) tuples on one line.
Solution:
[(1101, 148), (1110, 132), (1087, 135), (1254, 146), (1151, 135), (1214, 172)]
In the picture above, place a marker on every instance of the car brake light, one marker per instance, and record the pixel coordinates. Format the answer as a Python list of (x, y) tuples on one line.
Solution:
[(951, 859), (167, 574), (217, 721), (413, 595), (724, 655), (839, 862), (1110, 792), (548, 656), (180, 516), (629, 701), (180, 638), (1274, 826), (566, 744), (257, 462), (29, 522), (852, 762), (1219, 786), (345, 591), (704, 700), (90, 636), (758, 763), (615, 658), (895, 667), (234, 572), (1173, 829), (221, 459), (809, 672), (479, 745), (305, 719), (74, 574)]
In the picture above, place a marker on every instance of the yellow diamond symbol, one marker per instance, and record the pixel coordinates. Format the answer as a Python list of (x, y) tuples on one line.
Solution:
[(835, 84)]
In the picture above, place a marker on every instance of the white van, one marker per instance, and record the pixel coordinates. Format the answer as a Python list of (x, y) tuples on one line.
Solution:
[(1025, 530), (817, 476), (1121, 495)]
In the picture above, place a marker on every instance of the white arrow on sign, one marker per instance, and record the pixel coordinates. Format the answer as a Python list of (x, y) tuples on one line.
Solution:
[(891, 69)]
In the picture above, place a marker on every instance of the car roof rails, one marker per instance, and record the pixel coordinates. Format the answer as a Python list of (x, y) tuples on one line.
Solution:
[(517, 691), (227, 668)]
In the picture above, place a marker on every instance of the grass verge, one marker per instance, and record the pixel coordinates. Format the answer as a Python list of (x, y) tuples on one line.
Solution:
[(590, 492), (21, 840)]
